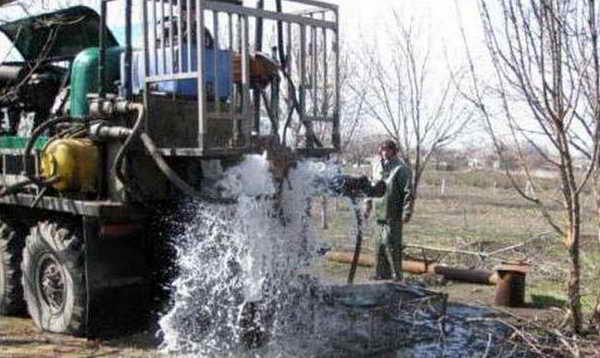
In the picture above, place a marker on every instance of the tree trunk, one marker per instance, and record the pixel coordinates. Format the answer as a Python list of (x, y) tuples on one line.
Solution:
[(596, 191), (572, 243), (596, 315)]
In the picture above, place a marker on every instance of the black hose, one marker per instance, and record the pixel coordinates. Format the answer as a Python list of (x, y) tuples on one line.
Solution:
[(14, 188), (158, 159), (172, 175), (358, 244), (116, 168), (31, 142), (18, 187)]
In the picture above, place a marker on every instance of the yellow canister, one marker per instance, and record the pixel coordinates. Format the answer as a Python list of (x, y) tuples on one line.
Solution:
[(74, 162)]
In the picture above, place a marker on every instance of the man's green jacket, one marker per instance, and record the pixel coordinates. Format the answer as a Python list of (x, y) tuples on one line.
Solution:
[(394, 205)]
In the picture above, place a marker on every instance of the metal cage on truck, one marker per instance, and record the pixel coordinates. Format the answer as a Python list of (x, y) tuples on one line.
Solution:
[(235, 72)]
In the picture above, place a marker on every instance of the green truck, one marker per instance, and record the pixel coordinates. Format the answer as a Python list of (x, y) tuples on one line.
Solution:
[(98, 134)]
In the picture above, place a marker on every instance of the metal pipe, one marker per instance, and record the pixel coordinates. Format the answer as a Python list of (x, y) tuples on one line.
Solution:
[(154, 38), (260, 4), (421, 267), (302, 88), (314, 69), (201, 58), (101, 45), (190, 34), (215, 61), (180, 37), (282, 57), (510, 289), (335, 135), (275, 100), (465, 275), (325, 108), (162, 39), (127, 65), (171, 37), (230, 47)]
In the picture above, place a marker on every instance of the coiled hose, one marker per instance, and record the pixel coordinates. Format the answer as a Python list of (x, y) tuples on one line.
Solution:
[(31, 142)]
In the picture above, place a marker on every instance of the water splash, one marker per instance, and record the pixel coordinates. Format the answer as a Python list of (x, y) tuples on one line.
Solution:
[(253, 251)]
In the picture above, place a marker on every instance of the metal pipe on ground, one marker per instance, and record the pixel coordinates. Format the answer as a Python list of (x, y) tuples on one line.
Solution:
[(421, 267), (510, 289)]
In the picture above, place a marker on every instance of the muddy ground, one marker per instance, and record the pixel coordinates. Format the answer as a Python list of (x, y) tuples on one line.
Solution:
[(19, 337)]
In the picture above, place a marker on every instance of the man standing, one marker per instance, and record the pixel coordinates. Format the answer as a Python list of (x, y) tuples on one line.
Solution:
[(392, 210)]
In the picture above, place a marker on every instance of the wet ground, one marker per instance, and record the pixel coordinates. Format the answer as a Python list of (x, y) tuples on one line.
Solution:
[(470, 328)]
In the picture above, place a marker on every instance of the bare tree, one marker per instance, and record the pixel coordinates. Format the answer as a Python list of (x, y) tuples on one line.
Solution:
[(363, 148), (19, 5), (416, 103), (544, 60), (352, 99)]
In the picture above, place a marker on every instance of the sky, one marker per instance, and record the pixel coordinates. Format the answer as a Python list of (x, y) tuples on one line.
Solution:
[(361, 20), (364, 18), (365, 21)]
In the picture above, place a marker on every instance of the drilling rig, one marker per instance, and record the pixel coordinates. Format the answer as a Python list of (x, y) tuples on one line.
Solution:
[(97, 134)]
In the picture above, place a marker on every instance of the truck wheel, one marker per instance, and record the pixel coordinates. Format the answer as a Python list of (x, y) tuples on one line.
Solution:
[(11, 291), (53, 278)]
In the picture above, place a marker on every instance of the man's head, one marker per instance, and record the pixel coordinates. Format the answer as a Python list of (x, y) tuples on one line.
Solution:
[(388, 149)]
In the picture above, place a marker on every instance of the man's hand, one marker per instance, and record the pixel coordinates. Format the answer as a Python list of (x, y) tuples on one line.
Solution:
[(378, 189)]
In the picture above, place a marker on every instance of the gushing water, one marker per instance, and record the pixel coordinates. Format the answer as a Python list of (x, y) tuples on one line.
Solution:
[(257, 250)]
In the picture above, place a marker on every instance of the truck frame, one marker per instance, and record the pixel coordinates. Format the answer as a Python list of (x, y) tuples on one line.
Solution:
[(99, 136)]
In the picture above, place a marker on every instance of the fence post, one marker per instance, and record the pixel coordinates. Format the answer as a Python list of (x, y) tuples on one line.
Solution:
[(529, 188), (324, 218)]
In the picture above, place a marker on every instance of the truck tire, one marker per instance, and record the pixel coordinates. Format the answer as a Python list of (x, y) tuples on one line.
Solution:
[(53, 278), (11, 291)]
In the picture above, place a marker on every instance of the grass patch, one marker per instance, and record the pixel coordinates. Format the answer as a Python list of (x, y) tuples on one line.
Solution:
[(547, 301), (479, 212)]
